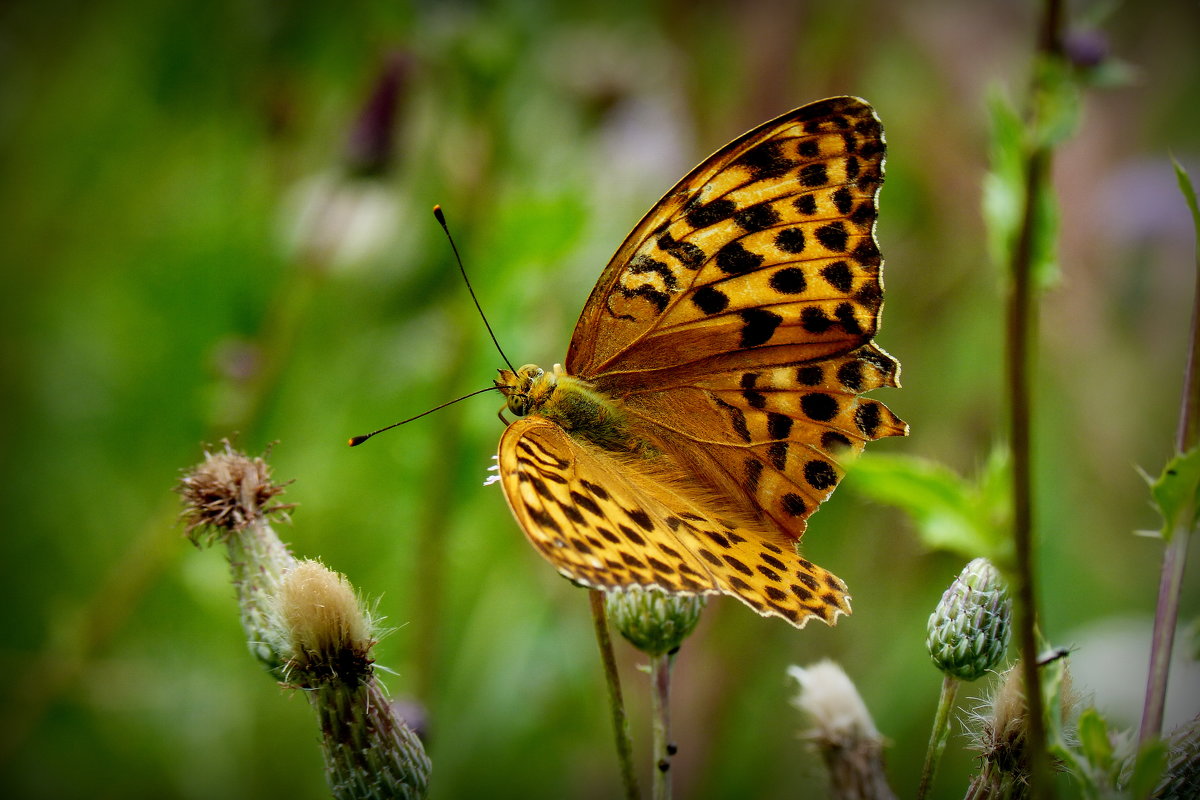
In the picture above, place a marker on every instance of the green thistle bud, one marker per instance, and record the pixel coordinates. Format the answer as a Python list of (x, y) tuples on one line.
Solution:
[(970, 628), (654, 621)]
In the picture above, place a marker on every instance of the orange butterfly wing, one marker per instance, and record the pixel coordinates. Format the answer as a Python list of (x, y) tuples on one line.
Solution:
[(733, 328), (604, 523)]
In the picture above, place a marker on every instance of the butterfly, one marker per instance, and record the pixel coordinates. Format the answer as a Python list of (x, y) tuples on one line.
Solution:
[(712, 387)]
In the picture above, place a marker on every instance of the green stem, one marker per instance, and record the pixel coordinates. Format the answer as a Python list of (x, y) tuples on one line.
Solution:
[(660, 696), (616, 702), (939, 736)]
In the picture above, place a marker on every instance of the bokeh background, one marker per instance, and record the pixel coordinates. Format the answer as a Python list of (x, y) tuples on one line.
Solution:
[(215, 221)]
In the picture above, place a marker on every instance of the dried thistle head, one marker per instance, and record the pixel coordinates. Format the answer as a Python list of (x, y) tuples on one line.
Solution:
[(999, 724), (225, 493), (829, 697)]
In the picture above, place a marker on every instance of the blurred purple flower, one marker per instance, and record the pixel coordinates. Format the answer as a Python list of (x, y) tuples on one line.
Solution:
[(372, 140), (1086, 48)]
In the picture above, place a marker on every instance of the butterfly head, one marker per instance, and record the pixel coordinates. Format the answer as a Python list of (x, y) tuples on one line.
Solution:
[(526, 389)]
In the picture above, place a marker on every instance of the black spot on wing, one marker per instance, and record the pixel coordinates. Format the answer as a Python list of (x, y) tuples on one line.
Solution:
[(756, 218), (778, 452), (789, 280), (735, 259), (838, 276), (814, 175), (688, 254), (767, 160), (833, 236), (843, 201), (710, 300), (820, 475), (819, 406), (711, 213), (778, 425), (758, 326)]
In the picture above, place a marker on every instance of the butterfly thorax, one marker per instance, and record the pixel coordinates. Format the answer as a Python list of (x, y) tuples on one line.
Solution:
[(574, 405)]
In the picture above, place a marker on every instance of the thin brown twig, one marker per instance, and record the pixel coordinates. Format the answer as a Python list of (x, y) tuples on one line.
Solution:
[(1020, 320)]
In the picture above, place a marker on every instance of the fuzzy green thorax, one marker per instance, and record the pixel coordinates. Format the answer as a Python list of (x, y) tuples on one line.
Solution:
[(573, 404)]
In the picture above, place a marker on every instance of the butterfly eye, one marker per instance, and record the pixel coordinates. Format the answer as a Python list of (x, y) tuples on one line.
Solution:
[(518, 404)]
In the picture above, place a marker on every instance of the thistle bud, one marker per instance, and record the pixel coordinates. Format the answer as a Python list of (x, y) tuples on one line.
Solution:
[(327, 637), (653, 620), (970, 628)]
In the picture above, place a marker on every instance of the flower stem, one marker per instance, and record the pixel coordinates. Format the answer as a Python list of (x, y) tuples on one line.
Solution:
[(1175, 554), (1022, 312), (941, 732), (616, 702), (1020, 316), (660, 696)]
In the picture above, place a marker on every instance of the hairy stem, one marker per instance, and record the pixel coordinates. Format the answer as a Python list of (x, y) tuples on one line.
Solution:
[(616, 702), (941, 732)]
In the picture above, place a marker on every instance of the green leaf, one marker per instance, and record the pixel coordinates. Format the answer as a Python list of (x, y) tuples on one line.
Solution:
[(1189, 193), (1093, 739), (1176, 493), (1011, 141), (951, 513), (1057, 102), (1148, 768), (1003, 186)]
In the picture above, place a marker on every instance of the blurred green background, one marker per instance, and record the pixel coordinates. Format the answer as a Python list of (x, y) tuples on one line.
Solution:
[(204, 234)]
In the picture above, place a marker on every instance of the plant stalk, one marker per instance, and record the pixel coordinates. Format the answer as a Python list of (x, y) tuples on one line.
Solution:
[(1020, 318), (941, 733), (616, 702), (1175, 554), (660, 697), (1021, 315)]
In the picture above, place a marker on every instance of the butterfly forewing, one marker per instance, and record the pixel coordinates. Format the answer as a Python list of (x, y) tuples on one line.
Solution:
[(606, 523), (767, 245)]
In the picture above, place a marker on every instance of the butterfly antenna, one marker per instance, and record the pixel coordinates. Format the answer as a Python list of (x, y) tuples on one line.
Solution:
[(357, 440), (441, 218)]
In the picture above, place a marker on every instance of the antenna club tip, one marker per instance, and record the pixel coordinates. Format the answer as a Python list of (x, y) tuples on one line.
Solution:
[(357, 440), (437, 212)]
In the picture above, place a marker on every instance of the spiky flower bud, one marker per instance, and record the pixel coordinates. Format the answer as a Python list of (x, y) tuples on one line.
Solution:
[(228, 498), (970, 628), (653, 620), (327, 637)]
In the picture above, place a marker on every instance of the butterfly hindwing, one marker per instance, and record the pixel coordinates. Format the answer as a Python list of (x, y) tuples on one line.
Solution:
[(773, 442), (609, 524)]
